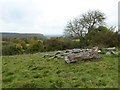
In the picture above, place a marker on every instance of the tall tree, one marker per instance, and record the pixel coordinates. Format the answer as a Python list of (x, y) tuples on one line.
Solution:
[(92, 19), (87, 22), (74, 29)]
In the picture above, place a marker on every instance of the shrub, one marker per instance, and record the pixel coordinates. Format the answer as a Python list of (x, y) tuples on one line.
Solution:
[(10, 50), (35, 46), (53, 44), (60, 44)]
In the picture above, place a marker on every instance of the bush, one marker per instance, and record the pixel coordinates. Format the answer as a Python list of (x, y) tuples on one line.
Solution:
[(10, 50), (35, 46), (53, 44), (102, 37), (60, 44)]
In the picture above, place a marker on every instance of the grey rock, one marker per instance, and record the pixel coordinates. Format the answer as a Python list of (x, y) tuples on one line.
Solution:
[(108, 53), (65, 54), (48, 55), (114, 53), (60, 57), (110, 48), (85, 55), (70, 58), (75, 50), (99, 51), (98, 56), (68, 51), (58, 52)]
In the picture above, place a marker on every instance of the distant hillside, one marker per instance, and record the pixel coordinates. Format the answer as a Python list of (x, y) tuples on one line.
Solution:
[(21, 35), (49, 36)]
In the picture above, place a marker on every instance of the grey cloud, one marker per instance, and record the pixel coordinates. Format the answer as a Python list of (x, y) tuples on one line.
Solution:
[(47, 16)]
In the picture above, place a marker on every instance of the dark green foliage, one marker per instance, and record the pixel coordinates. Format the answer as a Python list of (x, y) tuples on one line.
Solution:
[(35, 46), (71, 43), (102, 37), (53, 44), (21, 45), (60, 44), (10, 50)]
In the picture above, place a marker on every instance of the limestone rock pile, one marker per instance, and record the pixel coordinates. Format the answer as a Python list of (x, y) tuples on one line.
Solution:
[(73, 55)]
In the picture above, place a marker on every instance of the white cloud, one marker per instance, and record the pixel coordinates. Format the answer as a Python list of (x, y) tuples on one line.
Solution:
[(50, 16)]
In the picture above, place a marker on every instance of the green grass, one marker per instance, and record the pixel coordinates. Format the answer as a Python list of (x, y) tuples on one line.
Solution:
[(31, 70)]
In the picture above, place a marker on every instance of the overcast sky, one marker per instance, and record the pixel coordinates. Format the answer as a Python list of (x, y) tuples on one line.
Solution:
[(50, 16)]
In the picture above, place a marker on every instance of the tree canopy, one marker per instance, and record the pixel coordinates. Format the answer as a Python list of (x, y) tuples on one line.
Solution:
[(85, 23)]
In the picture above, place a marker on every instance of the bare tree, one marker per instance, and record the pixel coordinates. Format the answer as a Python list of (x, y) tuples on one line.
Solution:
[(74, 28), (92, 19), (79, 26)]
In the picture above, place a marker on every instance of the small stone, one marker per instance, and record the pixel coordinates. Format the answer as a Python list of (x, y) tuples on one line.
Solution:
[(110, 48), (47, 55), (75, 50), (58, 52), (108, 53), (67, 51), (99, 51)]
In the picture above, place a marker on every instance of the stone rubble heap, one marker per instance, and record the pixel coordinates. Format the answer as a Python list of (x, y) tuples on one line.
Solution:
[(82, 55), (74, 55), (111, 51)]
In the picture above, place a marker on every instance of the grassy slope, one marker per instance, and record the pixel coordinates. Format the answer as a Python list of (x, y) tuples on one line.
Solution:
[(34, 71)]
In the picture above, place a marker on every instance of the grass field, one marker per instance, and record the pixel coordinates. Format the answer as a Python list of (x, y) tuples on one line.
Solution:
[(31, 70)]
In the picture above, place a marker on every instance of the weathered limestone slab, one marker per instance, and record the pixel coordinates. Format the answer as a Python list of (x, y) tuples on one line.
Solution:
[(84, 55)]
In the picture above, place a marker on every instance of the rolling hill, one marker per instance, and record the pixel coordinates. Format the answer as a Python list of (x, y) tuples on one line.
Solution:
[(21, 35)]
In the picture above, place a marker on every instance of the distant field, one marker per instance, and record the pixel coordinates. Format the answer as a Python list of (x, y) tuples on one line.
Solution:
[(31, 70)]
